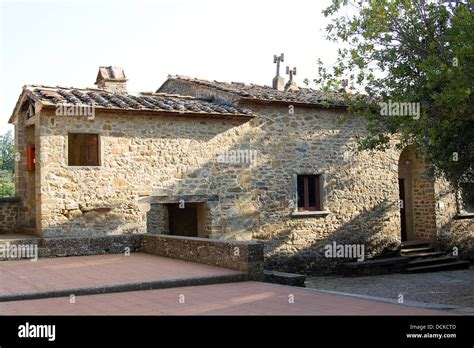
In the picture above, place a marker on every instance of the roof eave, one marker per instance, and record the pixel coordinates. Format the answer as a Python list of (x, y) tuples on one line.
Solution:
[(157, 112), (21, 99)]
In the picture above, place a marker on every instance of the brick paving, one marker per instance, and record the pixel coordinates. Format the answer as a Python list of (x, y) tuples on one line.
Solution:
[(244, 298), (53, 274)]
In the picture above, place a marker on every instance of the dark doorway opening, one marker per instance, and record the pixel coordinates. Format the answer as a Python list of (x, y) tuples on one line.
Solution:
[(183, 219), (403, 218)]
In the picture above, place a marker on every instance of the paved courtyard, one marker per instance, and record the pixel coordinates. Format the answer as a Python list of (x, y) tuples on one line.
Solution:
[(144, 284), (244, 298), (454, 288), (26, 277)]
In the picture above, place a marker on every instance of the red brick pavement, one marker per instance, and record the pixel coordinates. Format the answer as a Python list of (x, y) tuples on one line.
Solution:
[(26, 276), (245, 298)]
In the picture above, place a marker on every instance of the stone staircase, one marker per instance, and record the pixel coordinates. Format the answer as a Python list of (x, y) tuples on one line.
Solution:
[(423, 258), (410, 257)]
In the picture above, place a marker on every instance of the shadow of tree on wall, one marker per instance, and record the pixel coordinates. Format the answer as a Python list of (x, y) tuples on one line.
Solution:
[(265, 214), (255, 201), (311, 259)]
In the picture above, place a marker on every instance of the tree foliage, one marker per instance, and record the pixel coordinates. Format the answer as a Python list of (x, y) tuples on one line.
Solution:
[(402, 51), (7, 161), (7, 165)]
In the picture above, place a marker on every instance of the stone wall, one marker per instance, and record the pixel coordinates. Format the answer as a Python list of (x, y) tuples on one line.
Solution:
[(157, 219), (25, 181), (146, 156), (453, 231), (82, 246), (9, 213), (242, 256)]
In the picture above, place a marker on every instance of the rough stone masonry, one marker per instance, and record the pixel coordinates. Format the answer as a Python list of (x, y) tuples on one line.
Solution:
[(156, 151)]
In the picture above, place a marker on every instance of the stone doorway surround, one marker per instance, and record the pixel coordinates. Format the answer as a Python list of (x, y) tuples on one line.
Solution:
[(162, 207), (420, 202)]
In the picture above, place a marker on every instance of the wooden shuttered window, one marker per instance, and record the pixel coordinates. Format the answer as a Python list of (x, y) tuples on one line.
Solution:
[(92, 150), (309, 195), (83, 149)]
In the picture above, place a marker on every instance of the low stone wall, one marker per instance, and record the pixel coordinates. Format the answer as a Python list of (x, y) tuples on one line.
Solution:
[(82, 246), (9, 209), (241, 256)]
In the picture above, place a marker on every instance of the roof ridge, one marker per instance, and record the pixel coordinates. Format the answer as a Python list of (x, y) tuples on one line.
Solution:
[(248, 84), (65, 87), (265, 93)]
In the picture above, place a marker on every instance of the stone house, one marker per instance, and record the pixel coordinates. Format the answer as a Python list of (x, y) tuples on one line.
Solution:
[(222, 160)]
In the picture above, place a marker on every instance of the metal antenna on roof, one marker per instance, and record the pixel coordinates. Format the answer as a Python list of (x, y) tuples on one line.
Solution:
[(278, 60), (278, 82), (291, 85), (291, 72)]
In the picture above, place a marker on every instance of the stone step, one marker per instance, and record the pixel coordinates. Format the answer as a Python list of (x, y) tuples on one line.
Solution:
[(449, 266), (432, 261), (425, 255), (414, 244), (283, 278), (416, 250), (375, 266)]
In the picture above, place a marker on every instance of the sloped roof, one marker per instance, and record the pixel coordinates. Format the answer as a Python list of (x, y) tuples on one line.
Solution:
[(122, 101), (266, 93)]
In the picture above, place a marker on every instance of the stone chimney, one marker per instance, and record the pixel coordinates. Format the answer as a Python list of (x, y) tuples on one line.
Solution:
[(111, 79), (278, 82)]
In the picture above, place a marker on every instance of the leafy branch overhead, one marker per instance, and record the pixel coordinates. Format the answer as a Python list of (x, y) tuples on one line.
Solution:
[(403, 54)]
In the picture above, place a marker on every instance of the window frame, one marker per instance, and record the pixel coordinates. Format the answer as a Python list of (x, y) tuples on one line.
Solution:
[(318, 197), (99, 150)]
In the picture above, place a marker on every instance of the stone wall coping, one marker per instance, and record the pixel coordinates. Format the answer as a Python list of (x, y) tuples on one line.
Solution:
[(204, 240), (56, 238), (9, 199)]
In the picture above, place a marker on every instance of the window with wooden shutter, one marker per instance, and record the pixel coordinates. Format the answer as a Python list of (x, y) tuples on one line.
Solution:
[(83, 149), (309, 192)]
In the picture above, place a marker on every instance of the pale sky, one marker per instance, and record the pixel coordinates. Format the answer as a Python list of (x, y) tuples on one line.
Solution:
[(64, 42)]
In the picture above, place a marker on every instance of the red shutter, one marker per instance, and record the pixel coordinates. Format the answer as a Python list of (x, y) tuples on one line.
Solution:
[(30, 157)]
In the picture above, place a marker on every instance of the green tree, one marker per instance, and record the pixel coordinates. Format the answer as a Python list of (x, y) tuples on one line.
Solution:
[(7, 188), (7, 165), (7, 156), (403, 51)]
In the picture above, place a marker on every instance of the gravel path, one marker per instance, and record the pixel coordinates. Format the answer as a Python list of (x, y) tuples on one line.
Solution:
[(450, 287)]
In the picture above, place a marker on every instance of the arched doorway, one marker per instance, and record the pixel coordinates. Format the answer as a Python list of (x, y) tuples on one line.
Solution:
[(417, 197)]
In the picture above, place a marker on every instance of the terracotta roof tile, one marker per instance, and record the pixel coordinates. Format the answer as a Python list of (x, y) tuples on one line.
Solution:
[(267, 93), (143, 101)]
